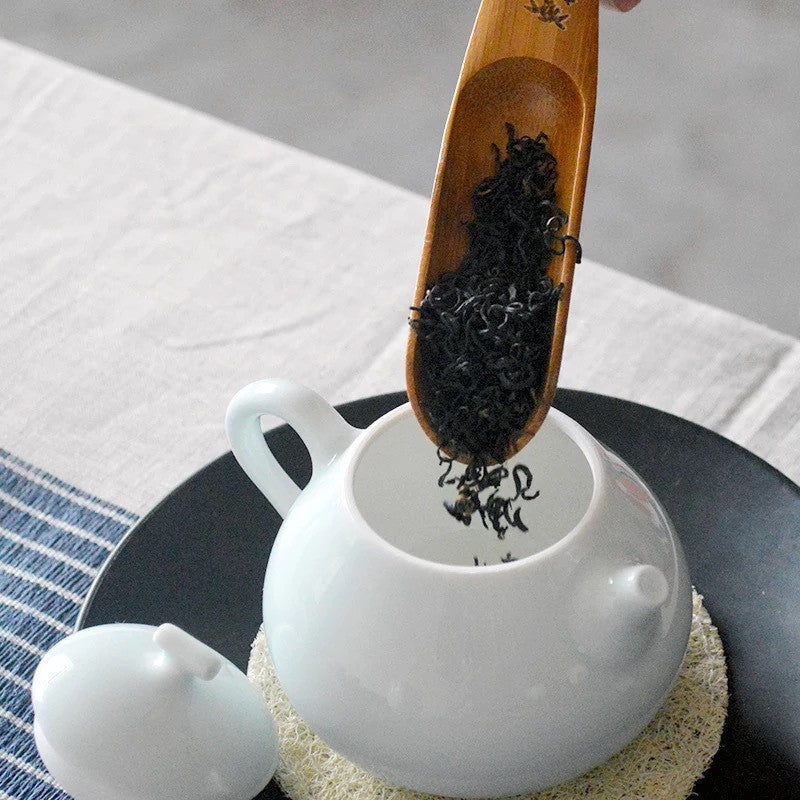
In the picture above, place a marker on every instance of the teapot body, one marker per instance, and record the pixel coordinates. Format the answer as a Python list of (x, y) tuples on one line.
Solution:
[(476, 681)]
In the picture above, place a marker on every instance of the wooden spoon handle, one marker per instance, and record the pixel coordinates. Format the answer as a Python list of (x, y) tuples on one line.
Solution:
[(560, 32), (539, 75)]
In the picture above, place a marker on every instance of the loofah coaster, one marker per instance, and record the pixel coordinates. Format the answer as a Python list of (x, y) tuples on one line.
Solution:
[(664, 763)]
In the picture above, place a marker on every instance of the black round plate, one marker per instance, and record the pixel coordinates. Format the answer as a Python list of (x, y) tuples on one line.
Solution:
[(198, 560)]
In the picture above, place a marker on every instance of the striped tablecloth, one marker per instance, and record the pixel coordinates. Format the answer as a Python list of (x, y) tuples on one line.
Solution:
[(53, 540), (154, 260)]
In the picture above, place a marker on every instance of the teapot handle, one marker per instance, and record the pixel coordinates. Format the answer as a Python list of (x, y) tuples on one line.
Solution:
[(322, 429)]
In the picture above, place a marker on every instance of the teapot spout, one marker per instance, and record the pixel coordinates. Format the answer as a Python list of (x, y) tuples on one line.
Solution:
[(618, 617)]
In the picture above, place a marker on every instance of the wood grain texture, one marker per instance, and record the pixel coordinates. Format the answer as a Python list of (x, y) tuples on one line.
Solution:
[(533, 64)]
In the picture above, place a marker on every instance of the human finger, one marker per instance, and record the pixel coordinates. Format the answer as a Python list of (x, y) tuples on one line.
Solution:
[(621, 5)]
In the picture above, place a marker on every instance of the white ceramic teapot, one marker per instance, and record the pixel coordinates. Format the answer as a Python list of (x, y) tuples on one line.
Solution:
[(439, 675)]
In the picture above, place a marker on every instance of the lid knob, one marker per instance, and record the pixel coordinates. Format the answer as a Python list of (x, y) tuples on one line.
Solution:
[(190, 654)]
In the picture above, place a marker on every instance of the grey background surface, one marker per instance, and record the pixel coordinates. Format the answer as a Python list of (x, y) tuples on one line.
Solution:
[(695, 176)]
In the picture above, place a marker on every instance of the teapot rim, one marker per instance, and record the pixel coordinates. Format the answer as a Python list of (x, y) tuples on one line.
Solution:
[(588, 445)]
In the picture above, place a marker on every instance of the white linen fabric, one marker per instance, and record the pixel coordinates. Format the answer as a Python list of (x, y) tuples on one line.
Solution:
[(153, 260)]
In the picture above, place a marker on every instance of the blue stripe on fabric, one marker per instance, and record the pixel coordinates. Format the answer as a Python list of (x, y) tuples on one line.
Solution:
[(23, 629), (19, 705), (18, 651), (20, 591), (61, 508), (47, 533), (44, 602), (77, 493), (23, 746), (23, 788), (9, 617), (24, 749), (44, 566)]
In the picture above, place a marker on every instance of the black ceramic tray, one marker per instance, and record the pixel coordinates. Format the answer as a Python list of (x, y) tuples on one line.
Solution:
[(198, 560)]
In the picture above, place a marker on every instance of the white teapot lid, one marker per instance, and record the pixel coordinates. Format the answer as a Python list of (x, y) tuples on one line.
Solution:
[(134, 712)]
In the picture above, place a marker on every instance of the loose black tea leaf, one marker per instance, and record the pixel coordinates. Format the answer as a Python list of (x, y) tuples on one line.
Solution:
[(495, 511), (506, 559), (485, 330)]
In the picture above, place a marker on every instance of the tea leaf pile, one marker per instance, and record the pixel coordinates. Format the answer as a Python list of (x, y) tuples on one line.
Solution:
[(485, 330)]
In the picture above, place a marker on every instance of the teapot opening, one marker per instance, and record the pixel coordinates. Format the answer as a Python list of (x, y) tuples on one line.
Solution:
[(395, 488)]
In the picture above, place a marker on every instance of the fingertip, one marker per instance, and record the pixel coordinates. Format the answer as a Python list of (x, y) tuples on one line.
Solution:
[(626, 5)]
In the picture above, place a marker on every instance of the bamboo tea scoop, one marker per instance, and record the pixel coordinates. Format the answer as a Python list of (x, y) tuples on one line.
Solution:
[(532, 63)]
